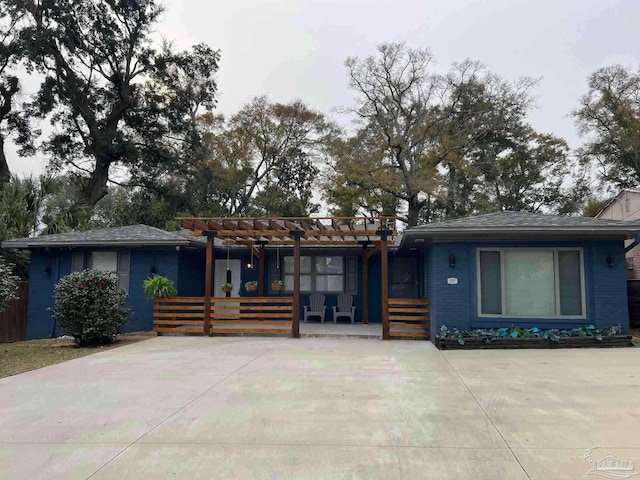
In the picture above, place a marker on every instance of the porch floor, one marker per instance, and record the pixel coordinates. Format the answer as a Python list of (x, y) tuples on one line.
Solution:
[(340, 330)]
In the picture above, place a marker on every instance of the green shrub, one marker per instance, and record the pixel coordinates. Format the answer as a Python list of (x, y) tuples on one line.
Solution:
[(159, 287), (90, 307), (8, 285)]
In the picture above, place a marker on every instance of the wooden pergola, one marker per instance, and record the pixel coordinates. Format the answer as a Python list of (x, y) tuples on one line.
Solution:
[(371, 233)]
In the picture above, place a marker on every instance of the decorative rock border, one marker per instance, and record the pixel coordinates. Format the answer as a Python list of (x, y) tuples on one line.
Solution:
[(518, 343)]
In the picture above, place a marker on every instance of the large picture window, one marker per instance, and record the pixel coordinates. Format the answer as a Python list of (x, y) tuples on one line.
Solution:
[(317, 274), (536, 283)]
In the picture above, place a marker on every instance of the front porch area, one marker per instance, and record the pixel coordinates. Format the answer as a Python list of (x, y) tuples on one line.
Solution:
[(331, 268), (407, 318)]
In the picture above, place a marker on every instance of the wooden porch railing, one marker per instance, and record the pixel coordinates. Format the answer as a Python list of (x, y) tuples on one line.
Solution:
[(229, 316), (409, 318)]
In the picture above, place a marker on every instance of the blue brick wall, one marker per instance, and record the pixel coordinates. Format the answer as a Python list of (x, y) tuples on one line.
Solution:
[(609, 297), (456, 306), (449, 304)]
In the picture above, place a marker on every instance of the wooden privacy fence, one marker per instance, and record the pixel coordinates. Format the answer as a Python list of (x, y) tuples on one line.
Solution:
[(229, 316), (13, 320), (409, 318)]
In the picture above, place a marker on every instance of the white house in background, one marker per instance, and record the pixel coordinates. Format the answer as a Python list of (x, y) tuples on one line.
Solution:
[(626, 206)]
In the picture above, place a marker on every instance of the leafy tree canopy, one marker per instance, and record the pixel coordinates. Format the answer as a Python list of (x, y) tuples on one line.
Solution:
[(114, 99), (609, 117), (434, 146)]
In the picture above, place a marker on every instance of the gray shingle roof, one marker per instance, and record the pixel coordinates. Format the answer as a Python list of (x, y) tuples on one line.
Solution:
[(526, 225), (131, 236)]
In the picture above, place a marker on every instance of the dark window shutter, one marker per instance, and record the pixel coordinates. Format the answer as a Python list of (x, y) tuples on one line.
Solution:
[(124, 269), (351, 275), (77, 261)]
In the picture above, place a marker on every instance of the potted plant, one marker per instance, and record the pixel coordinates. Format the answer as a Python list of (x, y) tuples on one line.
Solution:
[(251, 286), (158, 286), (227, 287), (277, 285)]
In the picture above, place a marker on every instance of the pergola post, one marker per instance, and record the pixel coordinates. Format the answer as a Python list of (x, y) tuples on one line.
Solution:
[(208, 281), (384, 259), (365, 283), (296, 234)]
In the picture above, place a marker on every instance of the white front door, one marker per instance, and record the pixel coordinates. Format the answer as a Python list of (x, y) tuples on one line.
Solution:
[(220, 277)]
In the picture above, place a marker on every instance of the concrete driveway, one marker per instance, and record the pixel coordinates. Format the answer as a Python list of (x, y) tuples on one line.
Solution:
[(208, 408)]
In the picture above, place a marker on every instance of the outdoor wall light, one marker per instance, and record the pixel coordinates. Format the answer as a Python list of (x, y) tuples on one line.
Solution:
[(47, 270), (152, 270), (249, 265), (452, 260), (611, 261)]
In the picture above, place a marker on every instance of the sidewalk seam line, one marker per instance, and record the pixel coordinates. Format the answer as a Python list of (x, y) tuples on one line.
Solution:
[(178, 411), (487, 415)]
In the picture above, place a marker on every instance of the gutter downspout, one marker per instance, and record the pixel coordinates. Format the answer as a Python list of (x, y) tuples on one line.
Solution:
[(635, 242)]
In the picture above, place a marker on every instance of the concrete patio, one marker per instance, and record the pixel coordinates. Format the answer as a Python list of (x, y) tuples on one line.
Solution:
[(193, 407)]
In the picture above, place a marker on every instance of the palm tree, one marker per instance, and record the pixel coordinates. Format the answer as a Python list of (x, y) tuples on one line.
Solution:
[(33, 206)]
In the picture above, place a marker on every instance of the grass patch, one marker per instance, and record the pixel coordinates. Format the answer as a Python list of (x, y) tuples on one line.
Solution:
[(22, 357)]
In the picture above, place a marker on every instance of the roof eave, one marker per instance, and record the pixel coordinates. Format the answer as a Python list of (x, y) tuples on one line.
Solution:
[(519, 234), (17, 245)]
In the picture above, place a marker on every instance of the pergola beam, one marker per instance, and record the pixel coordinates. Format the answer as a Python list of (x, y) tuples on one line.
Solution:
[(316, 231), (274, 225)]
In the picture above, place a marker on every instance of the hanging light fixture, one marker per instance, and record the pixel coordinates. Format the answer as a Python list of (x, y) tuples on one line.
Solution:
[(250, 264)]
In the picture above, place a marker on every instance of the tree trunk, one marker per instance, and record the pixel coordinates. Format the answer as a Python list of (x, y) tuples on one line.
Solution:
[(413, 214), (450, 201), (96, 186), (5, 173)]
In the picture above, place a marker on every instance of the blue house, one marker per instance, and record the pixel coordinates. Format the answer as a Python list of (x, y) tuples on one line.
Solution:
[(133, 253), (491, 270), (511, 268)]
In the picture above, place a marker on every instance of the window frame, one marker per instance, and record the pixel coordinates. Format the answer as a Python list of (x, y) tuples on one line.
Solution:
[(83, 260), (114, 252), (556, 276), (313, 274)]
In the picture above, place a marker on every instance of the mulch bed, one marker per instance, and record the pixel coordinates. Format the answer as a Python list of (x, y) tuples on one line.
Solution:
[(518, 343)]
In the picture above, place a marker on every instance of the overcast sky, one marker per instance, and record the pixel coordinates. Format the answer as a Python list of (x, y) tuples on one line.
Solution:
[(295, 49)]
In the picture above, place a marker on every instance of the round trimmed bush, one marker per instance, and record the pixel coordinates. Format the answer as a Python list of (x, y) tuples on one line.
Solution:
[(90, 307)]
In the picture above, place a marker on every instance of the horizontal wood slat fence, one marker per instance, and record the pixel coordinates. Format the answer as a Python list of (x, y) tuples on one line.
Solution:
[(13, 320), (409, 318), (229, 316)]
